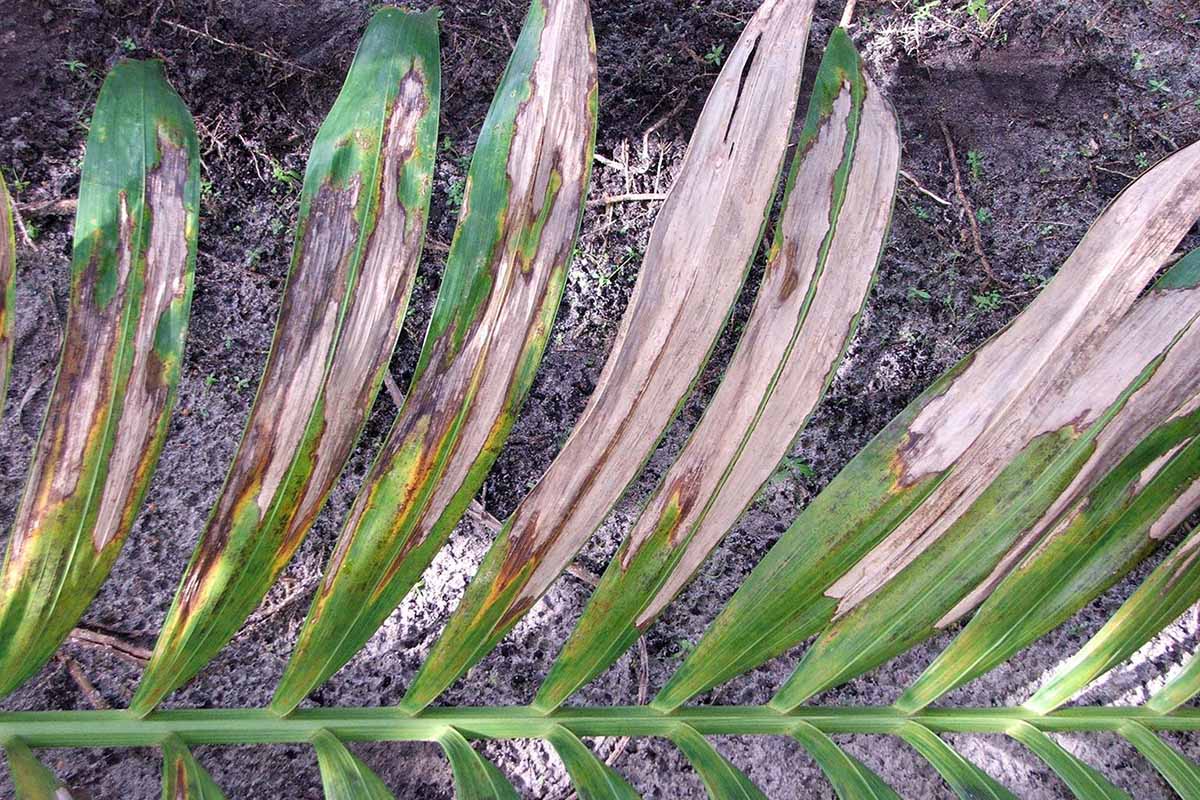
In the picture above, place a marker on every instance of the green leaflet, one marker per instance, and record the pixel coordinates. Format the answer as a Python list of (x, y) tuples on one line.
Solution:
[(851, 779), (475, 778), (722, 779), (30, 777), (343, 775), (1083, 781), (131, 289), (8, 274), (933, 463), (1097, 543), (503, 281), (358, 240), (820, 269), (968, 781), (1165, 594), (591, 777), (1182, 773), (182, 777), (717, 206)]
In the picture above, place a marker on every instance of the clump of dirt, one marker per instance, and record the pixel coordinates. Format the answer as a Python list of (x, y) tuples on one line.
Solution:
[(1050, 109)]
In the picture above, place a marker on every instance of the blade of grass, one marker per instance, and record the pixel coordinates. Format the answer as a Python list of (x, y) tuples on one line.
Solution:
[(591, 777), (722, 780), (936, 458), (131, 289), (1167, 592), (851, 779), (31, 779), (475, 778), (717, 207), (358, 240), (817, 276), (343, 775), (182, 777), (1083, 781), (499, 295)]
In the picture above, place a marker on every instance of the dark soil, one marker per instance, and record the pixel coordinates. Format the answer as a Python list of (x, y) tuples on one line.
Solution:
[(1060, 103)]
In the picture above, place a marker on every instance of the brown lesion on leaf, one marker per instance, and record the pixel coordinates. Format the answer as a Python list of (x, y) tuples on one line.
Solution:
[(539, 171), (139, 428), (181, 779), (79, 404), (295, 371), (376, 312)]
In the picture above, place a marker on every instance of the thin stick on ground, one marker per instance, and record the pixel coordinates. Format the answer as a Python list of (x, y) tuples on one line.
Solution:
[(80, 678), (243, 48), (20, 225), (848, 13), (393, 389), (937, 198), (126, 651), (976, 239), (633, 197)]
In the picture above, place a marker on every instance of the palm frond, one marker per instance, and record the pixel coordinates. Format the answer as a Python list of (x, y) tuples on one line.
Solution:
[(1015, 490)]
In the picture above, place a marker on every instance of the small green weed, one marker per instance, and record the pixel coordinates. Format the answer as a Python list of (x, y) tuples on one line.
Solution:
[(975, 164), (979, 10), (988, 302)]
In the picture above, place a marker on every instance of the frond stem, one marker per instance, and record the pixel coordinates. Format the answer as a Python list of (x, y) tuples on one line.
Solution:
[(260, 726)]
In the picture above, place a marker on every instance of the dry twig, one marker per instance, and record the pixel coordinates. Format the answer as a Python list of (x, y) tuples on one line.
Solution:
[(126, 651), (243, 48), (633, 197), (937, 198), (94, 698), (976, 239)]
